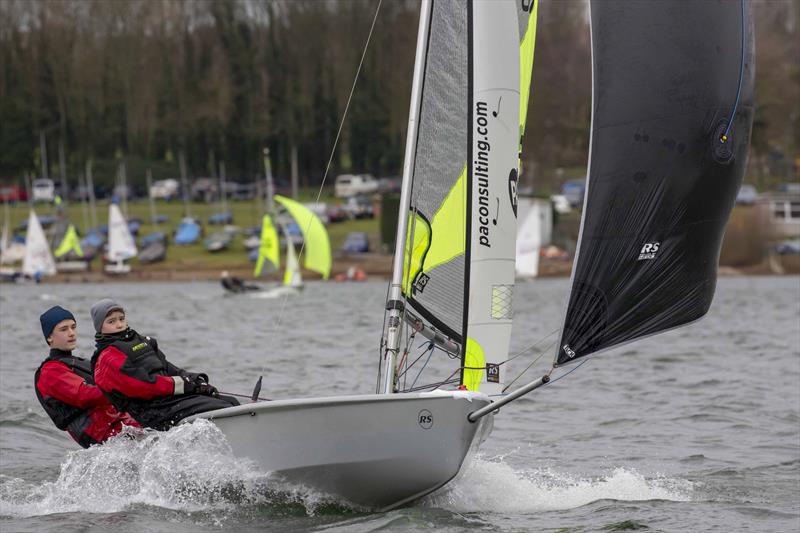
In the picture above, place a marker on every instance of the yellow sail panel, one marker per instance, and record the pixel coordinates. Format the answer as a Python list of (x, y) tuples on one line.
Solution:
[(69, 243), (317, 245), (420, 230), (526, 48), (268, 249), (439, 241), (474, 365), (449, 225)]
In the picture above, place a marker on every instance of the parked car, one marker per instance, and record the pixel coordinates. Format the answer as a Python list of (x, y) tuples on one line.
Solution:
[(320, 209), (357, 242), (13, 193), (359, 206), (747, 195), (44, 190), (347, 185), (337, 213), (123, 192), (204, 189), (165, 189), (390, 184), (573, 191)]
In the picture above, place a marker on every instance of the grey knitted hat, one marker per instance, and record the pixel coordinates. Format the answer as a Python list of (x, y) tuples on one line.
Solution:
[(100, 311)]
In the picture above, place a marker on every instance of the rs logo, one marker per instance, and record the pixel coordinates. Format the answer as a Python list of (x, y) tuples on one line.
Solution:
[(425, 419), (649, 251)]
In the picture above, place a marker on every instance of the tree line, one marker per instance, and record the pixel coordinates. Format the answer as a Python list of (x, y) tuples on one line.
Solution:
[(142, 81)]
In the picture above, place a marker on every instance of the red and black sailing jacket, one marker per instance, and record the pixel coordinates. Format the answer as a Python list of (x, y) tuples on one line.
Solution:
[(64, 386), (134, 373)]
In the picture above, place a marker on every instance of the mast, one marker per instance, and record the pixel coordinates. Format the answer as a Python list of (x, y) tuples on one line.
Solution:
[(90, 191), (395, 301), (184, 185), (270, 207), (153, 216)]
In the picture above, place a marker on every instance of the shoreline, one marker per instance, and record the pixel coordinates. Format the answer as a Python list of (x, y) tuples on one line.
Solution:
[(375, 266)]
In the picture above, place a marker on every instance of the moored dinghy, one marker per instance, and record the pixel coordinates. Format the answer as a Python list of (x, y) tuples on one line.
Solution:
[(383, 450), (121, 245)]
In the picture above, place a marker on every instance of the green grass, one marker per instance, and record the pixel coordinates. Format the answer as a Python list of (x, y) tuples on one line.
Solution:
[(245, 214)]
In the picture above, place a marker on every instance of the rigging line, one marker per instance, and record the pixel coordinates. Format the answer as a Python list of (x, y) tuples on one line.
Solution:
[(449, 378), (544, 351), (724, 137), (423, 367), (330, 159), (429, 385), (568, 373), (531, 347), (414, 362)]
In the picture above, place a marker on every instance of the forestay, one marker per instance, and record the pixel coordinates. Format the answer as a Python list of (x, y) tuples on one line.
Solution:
[(459, 265), (664, 169)]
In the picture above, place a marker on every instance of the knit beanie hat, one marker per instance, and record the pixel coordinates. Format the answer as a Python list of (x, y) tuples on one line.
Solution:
[(100, 311), (50, 319)]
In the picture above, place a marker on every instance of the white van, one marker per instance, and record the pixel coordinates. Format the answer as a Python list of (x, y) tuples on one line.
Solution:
[(44, 190), (347, 185)]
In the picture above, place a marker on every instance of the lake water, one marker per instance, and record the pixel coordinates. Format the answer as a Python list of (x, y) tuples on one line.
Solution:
[(697, 429)]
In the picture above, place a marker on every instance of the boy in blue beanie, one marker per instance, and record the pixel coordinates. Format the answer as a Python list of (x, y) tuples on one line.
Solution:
[(66, 390)]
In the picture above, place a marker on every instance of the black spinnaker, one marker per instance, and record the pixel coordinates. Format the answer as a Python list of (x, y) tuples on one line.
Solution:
[(671, 121)]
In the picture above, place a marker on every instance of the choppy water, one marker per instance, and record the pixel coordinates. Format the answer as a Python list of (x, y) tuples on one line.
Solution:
[(693, 430)]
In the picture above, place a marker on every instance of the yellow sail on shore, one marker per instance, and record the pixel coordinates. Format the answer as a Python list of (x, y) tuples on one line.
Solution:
[(70, 243)]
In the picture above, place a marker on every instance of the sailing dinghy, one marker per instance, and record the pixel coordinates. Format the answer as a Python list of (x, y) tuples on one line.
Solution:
[(383, 450), (38, 260), (316, 249), (121, 245), (668, 149)]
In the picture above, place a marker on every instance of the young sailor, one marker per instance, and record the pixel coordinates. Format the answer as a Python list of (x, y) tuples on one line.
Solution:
[(137, 378), (65, 388)]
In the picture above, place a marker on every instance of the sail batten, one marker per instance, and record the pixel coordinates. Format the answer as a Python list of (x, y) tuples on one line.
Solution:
[(661, 181)]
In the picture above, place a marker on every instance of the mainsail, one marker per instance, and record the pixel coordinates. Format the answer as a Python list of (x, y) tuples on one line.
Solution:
[(459, 262), (672, 113), (38, 260)]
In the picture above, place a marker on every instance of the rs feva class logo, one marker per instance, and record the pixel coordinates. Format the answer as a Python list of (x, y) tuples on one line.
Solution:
[(648, 251)]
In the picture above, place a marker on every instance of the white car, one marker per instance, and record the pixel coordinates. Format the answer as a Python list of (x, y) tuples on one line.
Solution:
[(44, 190), (560, 203), (347, 185), (165, 189)]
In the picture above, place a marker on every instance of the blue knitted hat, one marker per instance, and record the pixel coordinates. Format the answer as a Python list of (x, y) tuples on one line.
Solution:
[(50, 319)]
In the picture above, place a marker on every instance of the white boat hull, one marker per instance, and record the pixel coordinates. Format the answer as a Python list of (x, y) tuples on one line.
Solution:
[(373, 451)]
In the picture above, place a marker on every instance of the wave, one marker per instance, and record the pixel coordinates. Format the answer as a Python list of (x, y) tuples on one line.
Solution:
[(490, 485), (188, 468)]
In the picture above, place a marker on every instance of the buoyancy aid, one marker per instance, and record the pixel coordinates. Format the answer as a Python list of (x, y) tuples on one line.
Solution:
[(66, 417), (143, 361)]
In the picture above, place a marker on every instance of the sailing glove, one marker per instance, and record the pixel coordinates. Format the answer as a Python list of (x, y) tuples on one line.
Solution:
[(198, 386)]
